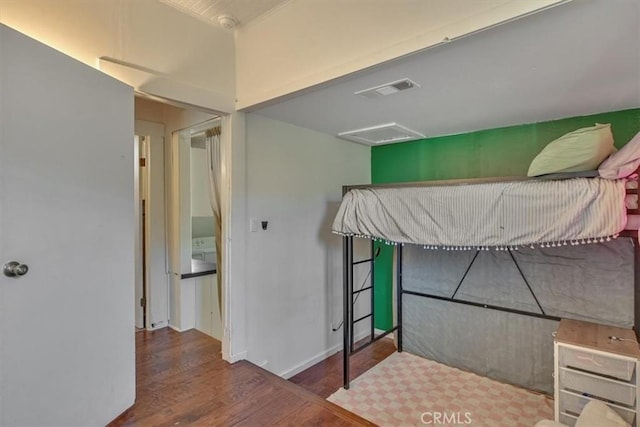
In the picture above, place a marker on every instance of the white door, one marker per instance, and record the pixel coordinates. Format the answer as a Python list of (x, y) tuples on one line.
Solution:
[(67, 353)]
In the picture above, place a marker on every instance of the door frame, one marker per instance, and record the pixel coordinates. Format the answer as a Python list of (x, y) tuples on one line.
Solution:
[(234, 213), (156, 271), (141, 313)]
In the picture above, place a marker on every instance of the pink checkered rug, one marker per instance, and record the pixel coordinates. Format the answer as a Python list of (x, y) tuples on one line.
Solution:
[(408, 390)]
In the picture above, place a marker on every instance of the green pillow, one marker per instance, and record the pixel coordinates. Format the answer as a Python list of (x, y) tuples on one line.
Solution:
[(581, 150)]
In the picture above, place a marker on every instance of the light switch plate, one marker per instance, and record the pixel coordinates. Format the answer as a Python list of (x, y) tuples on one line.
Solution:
[(254, 225)]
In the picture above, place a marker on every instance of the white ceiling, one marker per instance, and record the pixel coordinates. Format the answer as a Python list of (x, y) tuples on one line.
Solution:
[(208, 11), (575, 59)]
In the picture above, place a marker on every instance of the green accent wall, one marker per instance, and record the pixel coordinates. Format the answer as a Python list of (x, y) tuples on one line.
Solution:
[(497, 152)]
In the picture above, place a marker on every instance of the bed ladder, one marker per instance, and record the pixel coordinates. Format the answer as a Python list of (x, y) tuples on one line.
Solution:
[(350, 296)]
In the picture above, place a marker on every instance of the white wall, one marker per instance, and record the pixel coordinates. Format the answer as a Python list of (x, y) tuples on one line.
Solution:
[(307, 42), (293, 269), (190, 61)]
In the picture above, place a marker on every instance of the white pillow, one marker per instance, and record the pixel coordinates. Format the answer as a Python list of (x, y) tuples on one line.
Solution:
[(597, 414), (581, 150), (624, 162)]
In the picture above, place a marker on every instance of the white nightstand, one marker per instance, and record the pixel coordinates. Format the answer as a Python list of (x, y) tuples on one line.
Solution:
[(591, 365)]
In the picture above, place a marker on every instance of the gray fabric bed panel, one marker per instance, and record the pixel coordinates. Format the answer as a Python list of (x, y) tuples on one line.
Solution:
[(587, 282), (504, 346)]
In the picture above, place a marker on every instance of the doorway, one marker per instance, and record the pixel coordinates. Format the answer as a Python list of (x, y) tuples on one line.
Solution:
[(188, 301), (203, 229), (194, 258), (151, 300)]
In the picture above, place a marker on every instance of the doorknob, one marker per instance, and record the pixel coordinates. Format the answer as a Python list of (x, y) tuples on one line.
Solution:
[(15, 269)]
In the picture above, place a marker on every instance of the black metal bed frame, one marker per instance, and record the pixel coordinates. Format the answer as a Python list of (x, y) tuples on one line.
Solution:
[(348, 324), (349, 346)]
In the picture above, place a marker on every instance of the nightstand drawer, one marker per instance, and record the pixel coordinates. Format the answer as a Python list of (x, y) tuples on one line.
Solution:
[(598, 363), (572, 402), (568, 419), (603, 388)]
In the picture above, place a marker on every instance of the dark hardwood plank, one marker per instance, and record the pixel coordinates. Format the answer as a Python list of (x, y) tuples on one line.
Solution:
[(182, 380), (325, 378), (308, 417)]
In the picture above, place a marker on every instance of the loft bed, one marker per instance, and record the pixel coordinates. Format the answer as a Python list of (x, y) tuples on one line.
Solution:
[(556, 213), (504, 215)]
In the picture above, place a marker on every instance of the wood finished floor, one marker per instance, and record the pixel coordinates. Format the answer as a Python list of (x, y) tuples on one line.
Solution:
[(325, 377), (182, 380)]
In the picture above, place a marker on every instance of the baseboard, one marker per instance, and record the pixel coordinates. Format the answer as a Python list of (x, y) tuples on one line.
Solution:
[(233, 358), (381, 331), (317, 358), (158, 325), (175, 328)]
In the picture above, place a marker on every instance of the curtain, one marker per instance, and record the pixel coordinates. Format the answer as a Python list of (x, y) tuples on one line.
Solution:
[(214, 167)]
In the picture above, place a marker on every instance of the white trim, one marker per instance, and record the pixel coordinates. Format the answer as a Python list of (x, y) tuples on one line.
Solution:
[(233, 358), (175, 328), (226, 135), (161, 324), (233, 147), (318, 358), (202, 127), (139, 312)]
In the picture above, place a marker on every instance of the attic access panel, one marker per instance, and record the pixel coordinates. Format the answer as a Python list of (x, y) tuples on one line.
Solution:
[(382, 134)]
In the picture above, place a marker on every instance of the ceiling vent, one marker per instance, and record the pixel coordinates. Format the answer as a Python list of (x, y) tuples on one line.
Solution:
[(387, 88), (381, 134)]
